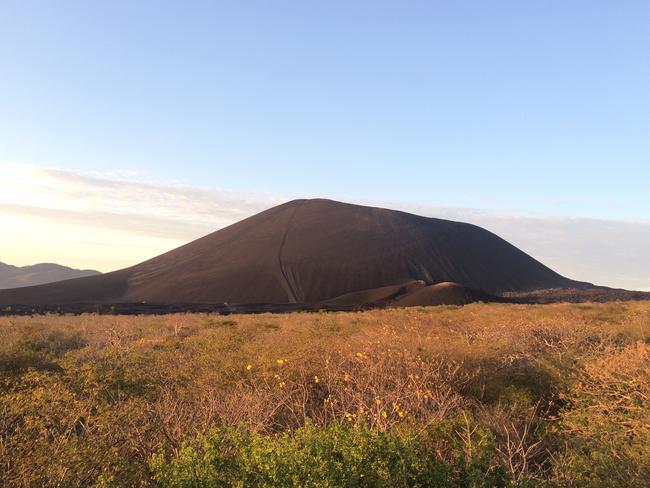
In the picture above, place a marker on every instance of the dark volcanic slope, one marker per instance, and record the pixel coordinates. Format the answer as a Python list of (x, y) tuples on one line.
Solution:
[(38, 274), (309, 251)]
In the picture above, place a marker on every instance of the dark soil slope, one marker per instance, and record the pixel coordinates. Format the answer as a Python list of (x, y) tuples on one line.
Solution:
[(310, 251)]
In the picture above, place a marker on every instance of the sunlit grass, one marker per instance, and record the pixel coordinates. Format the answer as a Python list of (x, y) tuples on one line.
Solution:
[(547, 395)]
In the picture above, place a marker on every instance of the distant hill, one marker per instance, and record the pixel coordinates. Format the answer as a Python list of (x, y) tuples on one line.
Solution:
[(38, 274), (318, 252)]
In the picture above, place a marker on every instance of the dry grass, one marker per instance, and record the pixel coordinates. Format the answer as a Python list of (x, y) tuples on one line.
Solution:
[(88, 399)]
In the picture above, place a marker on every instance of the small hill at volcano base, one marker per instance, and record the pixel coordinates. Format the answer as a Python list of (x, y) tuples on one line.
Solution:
[(414, 293), (318, 251)]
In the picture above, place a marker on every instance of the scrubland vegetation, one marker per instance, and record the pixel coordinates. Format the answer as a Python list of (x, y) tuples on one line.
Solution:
[(478, 396)]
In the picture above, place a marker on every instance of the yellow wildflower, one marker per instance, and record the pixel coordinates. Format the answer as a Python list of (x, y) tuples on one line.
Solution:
[(280, 362), (316, 379), (249, 367)]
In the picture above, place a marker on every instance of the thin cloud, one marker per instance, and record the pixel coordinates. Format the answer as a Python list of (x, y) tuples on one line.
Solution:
[(163, 210)]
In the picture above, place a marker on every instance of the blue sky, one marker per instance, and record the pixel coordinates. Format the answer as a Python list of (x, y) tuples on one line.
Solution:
[(504, 106), (536, 105)]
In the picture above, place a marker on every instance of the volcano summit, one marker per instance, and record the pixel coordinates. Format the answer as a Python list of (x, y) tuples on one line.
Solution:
[(317, 252)]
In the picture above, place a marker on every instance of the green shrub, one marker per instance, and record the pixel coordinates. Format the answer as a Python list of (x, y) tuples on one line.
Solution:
[(338, 455)]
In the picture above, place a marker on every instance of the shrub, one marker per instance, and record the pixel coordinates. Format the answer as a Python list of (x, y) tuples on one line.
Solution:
[(335, 456), (483, 395), (606, 425)]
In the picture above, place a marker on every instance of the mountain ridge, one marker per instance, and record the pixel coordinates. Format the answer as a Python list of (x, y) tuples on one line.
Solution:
[(12, 276)]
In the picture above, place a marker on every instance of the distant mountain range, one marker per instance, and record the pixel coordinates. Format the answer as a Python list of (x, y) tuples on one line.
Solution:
[(38, 274)]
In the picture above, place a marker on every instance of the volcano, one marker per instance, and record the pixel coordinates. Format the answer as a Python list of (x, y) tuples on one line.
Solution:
[(317, 252)]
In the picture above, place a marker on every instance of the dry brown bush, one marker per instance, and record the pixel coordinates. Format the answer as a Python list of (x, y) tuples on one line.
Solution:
[(80, 394)]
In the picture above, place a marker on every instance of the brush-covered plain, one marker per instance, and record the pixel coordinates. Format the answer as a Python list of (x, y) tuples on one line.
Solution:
[(477, 396)]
